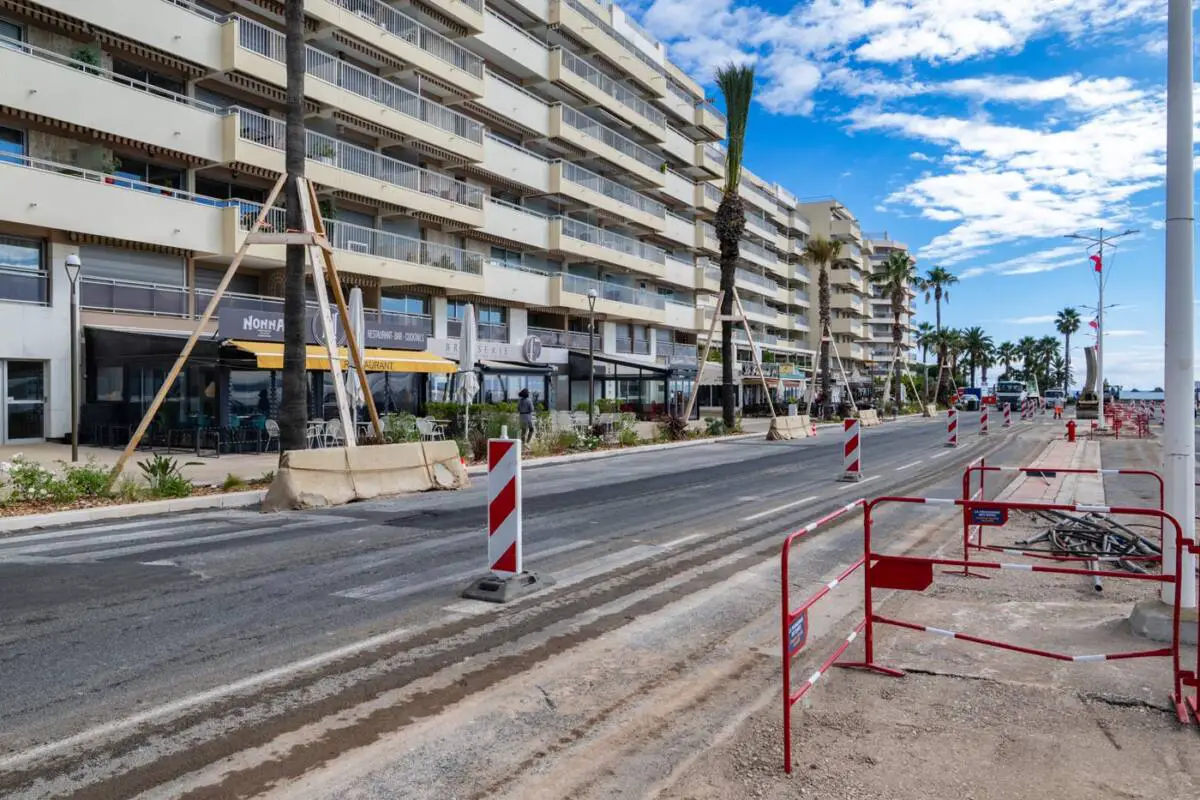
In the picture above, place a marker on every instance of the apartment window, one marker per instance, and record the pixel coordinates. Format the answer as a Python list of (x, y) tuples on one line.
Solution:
[(12, 145), (170, 177), (23, 274), (145, 76), (407, 304), (11, 30), (508, 258), (491, 322)]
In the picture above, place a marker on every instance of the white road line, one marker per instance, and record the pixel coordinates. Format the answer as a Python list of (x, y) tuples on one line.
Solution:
[(939, 455), (910, 464), (682, 540), (857, 483), (217, 693), (783, 507)]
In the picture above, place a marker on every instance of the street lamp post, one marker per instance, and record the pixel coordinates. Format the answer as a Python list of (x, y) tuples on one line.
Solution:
[(592, 294), (73, 266)]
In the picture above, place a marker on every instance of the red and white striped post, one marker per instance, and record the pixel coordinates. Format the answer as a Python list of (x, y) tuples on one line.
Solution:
[(852, 451), (983, 421), (952, 428), (1008, 415), (504, 507)]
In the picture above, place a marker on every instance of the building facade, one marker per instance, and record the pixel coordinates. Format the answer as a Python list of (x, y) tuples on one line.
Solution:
[(532, 157)]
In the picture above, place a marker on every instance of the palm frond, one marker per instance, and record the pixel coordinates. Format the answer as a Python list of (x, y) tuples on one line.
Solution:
[(736, 82)]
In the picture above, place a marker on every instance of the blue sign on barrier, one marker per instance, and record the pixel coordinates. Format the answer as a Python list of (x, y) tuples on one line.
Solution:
[(989, 516), (798, 633)]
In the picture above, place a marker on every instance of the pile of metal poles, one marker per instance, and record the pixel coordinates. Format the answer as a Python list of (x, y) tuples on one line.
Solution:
[(1092, 535)]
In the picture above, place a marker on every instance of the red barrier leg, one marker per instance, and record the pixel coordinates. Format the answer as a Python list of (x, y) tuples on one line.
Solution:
[(868, 662)]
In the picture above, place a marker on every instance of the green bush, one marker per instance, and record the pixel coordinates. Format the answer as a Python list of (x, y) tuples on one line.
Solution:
[(86, 480), (232, 483), (673, 429), (714, 426), (164, 476), (400, 427), (627, 437), (566, 440)]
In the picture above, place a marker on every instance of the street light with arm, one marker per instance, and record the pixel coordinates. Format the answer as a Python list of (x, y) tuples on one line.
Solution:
[(592, 294), (73, 266)]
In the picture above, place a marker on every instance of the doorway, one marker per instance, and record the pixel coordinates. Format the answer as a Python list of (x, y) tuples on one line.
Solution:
[(23, 406)]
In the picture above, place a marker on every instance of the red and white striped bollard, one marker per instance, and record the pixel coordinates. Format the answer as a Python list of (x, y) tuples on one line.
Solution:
[(504, 507), (852, 451), (952, 428), (983, 421), (1008, 415)]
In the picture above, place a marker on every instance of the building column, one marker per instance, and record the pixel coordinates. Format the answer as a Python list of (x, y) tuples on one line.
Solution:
[(439, 317)]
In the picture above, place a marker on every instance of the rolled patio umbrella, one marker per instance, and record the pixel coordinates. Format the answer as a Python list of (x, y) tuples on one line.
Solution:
[(469, 383), (358, 324)]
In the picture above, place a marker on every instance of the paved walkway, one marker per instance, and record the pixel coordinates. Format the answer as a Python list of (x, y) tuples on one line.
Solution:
[(204, 470)]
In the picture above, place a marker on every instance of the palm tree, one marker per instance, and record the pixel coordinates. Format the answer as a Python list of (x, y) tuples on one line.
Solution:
[(976, 345), (1059, 371), (1067, 322), (924, 338), (955, 346), (1027, 351), (737, 85), (895, 275), (1006, 353), (936, 284), (823, 252), (986, 359), (293, 407), (1047, 351)]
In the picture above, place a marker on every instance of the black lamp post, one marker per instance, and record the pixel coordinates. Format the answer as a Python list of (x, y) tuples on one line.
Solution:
[(592, 294), (73, 266)]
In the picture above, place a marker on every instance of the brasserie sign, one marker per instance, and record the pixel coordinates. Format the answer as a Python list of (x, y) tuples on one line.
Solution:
[(267, 326)]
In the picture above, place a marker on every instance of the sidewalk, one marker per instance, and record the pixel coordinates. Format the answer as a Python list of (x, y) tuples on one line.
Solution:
[(204, 470)]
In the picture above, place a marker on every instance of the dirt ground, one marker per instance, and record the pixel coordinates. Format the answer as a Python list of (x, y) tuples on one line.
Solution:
[(970, 722)]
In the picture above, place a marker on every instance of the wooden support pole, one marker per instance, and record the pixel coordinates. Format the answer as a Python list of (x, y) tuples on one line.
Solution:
[(754, 351), (188, 346), (712, 326)]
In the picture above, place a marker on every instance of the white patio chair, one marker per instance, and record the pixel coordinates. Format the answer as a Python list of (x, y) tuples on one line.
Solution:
[(430, 430), (335, 435), (272, 428)]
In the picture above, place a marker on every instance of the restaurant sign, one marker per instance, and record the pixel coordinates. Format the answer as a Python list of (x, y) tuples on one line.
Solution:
[(267, 326)]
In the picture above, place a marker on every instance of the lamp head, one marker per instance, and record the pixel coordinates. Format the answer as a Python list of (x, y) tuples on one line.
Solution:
[(73, 266)]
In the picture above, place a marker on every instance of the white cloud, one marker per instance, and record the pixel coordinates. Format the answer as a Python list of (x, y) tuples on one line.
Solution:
[(1124, 333), (1039, 319), (1079, 93), (920, 157)]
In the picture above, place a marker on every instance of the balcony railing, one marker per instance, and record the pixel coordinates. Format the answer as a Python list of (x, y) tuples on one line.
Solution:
[(613, 241), (100, 72), (577, 284), (759, 192), (633, 49), (710, 108), (404, 27), (31, 286), (755, 307), (758, 280), (710, 232), (555, 338), (619, 92), (487, 331), (622, 194), (590, 127), (384, 244), (269, 43), (713, 193), (680, 92), (715, 153), (271, 132), (639, 347), (668, 352), (757, 250), (198, 10)]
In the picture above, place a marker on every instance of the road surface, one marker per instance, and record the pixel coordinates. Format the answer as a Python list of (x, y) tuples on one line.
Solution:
[(188, 655)]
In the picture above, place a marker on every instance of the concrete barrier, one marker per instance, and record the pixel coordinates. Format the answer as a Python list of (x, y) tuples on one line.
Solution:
[(783, 428), (869, 417), (334, 476), (930, 410)]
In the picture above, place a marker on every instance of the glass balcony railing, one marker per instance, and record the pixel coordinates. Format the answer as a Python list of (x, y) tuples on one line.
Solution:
[(487, 331), (715, 153), (619, 92), (270, 43), (613, 241), (633, 49), (671, 352), (762, 281), (384, 244), (577, 284), (758, 192), (30, 286), (753, 249), (710, 232), (590, 127), (405, 27), (271, 132), (622, 194), (713, 193), (639, 347)]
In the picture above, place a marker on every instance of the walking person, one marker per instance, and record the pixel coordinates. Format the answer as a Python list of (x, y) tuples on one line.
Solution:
[(525, 410)]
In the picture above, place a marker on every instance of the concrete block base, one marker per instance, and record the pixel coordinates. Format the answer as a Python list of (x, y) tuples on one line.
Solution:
[(492, 589), (787, 428), (1152, 619)]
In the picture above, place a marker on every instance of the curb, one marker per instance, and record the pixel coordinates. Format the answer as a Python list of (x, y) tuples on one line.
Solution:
[(481, 469), (130, 510)]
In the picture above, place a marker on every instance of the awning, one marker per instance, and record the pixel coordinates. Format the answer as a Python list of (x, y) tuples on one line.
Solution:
[(269, 355), (510, 368)]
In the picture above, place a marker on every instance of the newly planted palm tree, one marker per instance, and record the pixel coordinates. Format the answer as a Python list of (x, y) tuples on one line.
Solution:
[(293, 406), (737, 86), (976, 345), (1067, 322), (1006, 353), (822, 252), (1047, 348), (936, 284), (895, 275), (924, 338), (1027, 351)]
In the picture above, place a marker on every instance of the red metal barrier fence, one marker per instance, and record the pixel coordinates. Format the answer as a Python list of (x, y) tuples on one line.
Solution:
[(915, 573), (982, 468)]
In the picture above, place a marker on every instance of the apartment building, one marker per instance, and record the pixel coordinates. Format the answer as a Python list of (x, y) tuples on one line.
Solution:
[(541, 159), (880, 342)]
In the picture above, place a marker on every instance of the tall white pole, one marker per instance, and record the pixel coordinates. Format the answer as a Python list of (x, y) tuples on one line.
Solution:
[(1179, 444), (1100, 333)]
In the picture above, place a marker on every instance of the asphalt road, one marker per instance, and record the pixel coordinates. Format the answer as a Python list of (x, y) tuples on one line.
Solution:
[(164, 617)]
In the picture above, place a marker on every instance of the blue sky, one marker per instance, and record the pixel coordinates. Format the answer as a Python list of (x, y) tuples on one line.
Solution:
[(977, 131)]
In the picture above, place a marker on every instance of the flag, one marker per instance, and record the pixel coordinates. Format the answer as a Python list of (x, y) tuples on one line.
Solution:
[(1094, 324), (1096, 261)]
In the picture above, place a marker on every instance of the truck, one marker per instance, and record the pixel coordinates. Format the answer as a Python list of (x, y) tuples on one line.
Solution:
[(1055, 398), (1011, 393)]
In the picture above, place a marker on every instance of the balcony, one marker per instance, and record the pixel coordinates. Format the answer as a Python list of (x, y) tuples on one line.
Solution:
[(851, 279), (846, 302), (488, 332), (680, 314), (567, 339), (760, 284), (850, 252), (709, 120), (332, 162), (758, 197), (758, 312), (637, 347), (706, 237), (519, 105), (573, 237), (680, 102), (61, 88), (517, 224), (799, 297), (757, 254), (515, 283), (679, 146), (586, 80), (848, 327), (680, 229), (519, 52), (28, 286), (613, 301), (583, 22), (708, 196), (396, 260), (681, 273), (759, 225), (680, 188), (845, 228), (172, 26), (675, 353), (46, 194), (710, 159), (401, 36), (259, 51), (800, 323), (601, 193), (517, 164), (798, 223), (577, 128)]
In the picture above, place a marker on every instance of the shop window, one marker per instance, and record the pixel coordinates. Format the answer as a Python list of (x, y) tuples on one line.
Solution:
[(110, 384)]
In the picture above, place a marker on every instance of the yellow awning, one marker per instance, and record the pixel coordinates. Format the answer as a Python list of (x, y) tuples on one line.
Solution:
[(270, 356)]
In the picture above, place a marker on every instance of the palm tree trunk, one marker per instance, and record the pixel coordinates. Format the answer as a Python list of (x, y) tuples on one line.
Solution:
[(1067, 359), (897, 338), (824, 301), (293, 408), (730, 223)]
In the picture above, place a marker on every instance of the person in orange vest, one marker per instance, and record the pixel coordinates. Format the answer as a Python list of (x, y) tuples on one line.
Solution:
[(1058, 409)]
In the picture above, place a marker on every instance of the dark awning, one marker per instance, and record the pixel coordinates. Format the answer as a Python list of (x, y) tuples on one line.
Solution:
[(614, 368), (512, 368), (110, 344)]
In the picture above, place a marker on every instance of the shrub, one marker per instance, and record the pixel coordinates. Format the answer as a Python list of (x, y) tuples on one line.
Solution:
[(232, 483), (27, 480), (267, 477), (673, 429), (86, 480), (714, 426), (566, 440), (127, 490), (627, 437), (164, 476), (401, 427)]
